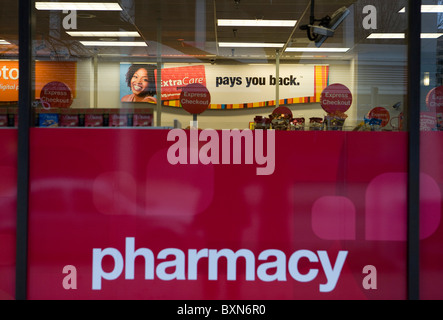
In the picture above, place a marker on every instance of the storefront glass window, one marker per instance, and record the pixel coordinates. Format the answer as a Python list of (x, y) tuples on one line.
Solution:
[(310, 203), (86, 59), (8, 146), (431, 152)]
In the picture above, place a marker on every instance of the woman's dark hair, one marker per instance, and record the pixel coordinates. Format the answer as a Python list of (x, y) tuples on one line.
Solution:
[(151, 91)]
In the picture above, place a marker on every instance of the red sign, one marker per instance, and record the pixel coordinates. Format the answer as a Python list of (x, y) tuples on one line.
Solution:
[(174, 79), (282, 110), (195, 98), (380, 113), (147, 229), (434, 99), (336, 98), (8, 216), (56, 94)]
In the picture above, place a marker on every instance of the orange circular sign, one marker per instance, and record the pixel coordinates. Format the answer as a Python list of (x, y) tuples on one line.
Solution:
[(380, 113)]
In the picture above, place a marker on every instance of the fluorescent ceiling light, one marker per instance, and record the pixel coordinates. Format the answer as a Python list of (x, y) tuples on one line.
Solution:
[(92, 6), (402, 35), (114, 43), (255, 23), (386, 36), (250, 45), (431, 35), (427, 9), (317, 49), (4, 42), (103, 33)]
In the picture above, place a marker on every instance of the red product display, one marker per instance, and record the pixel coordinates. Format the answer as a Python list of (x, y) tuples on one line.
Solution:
[(69, 118), (142, 118), (94, 117), (119, 117)]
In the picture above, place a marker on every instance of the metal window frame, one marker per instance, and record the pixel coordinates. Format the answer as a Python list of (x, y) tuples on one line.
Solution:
[(413, 124), (25, 99)]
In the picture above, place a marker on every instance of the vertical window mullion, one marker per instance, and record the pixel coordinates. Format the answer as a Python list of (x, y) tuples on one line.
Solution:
[(25, 100), (413, 116)]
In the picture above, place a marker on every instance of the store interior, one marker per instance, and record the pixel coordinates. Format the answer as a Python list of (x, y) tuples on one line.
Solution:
[(365, 51)]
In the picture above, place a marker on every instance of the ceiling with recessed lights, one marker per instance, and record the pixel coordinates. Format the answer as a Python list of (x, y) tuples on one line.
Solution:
[(190, 29)]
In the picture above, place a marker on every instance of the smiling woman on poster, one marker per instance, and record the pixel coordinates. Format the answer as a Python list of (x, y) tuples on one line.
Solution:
[(140, 78)]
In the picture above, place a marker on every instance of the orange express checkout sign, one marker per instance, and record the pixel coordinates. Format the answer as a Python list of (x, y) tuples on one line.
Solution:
[(45, 72)]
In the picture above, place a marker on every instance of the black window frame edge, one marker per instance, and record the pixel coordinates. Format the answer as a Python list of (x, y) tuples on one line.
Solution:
[(24, 123), (25, 114), (413, 124)]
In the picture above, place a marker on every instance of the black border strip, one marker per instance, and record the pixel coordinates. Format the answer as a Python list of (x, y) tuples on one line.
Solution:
[(413, 123), (25, 100)]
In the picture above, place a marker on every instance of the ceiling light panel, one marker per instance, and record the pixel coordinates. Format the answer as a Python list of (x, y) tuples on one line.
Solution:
[(427, 9), (386, 36), (317, 49), (103, 33), (255, 23), (250, 45), (402, 36), (113, 44), (90, 6), (431, 35)]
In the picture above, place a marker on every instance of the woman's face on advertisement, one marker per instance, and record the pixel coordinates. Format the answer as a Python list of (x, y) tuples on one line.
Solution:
[(139, 81)]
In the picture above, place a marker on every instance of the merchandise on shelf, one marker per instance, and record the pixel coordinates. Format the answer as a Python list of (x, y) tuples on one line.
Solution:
[(440, 121), (142, 117), (87, 117), (47, 118), (3, 117), (335, 121), (95, 118), (13, 117), (315, 123), (261, 122), (120, 117), (297, 124), (280, 121), (69, 118)]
